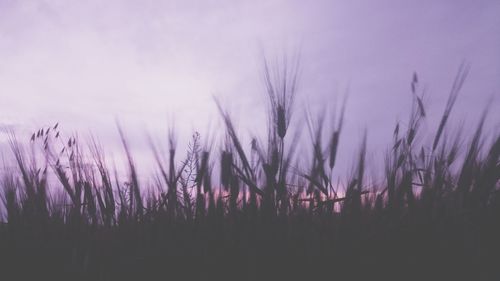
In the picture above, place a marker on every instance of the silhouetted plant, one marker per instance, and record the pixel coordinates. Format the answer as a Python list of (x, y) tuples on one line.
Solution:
[(436, 211)]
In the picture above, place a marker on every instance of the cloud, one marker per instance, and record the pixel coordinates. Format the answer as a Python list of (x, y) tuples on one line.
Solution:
[(86, 63)]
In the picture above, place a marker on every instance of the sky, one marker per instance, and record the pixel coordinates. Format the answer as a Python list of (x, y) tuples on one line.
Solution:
[(148, 64)]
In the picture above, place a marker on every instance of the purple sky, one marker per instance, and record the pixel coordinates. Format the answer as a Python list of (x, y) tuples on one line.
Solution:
[(85, 63)]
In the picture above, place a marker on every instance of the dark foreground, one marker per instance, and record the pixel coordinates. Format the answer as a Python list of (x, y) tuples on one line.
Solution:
[(372, 246)]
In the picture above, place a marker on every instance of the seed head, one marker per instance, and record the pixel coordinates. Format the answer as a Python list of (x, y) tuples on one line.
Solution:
[(281, 122), (333, 148)]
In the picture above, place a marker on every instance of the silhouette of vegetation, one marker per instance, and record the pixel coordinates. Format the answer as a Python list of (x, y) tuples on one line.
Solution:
[(436, 215)]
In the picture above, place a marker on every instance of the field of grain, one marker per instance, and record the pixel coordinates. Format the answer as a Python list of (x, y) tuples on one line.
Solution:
[(238, 212)]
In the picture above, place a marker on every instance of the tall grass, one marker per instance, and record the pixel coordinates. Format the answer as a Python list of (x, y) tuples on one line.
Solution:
[(435, 216)]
